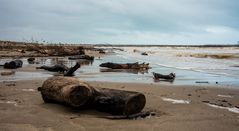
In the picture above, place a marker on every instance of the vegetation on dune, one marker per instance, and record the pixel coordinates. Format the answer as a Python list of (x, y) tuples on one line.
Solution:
[(214, 56), (36, 49)]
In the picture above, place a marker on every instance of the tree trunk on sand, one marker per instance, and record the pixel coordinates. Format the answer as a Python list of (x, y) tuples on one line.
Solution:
[(70, 91)]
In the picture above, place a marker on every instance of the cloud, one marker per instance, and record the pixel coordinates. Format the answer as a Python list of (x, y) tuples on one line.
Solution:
[(121, 21)]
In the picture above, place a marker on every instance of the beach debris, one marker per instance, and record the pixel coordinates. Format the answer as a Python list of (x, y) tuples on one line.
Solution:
[(13, 64), (235, 66), (175, 101), (71, 71), (125, 66), (23, 51), (31, 60), (55, 68), (144, 53), (71, 91), (86, 57), (231, 109), (5, 73), (158, 76)]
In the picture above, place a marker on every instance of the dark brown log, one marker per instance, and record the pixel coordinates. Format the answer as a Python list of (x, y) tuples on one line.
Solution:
[(71, 71), (171, 76), (118, 101), (55, 68), (125, 66), (70, 91), (13, 64)]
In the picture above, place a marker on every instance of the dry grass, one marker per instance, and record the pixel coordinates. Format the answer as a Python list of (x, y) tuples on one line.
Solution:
[(214, 56), (23, 49)]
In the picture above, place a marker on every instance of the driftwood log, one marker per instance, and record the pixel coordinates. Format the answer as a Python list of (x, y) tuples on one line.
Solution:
[(13, 64), (125, 66), (31, 60), (69, 90), (170, 76), (71, 71), (55, 68)]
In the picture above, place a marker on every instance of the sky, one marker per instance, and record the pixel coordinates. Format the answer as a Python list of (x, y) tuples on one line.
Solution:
[(121, 21)]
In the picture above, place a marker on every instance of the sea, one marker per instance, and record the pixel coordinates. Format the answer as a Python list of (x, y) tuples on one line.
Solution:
[(192, 66)]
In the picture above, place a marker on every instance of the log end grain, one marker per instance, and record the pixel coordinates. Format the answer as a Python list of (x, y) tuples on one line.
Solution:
[(135, 104)]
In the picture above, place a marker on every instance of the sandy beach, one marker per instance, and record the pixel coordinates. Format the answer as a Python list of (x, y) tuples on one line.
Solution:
[(176, 107), (23, 109)]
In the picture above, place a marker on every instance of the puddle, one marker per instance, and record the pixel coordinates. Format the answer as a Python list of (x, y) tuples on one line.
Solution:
[(231, 109), (175, 101), (225, 96)]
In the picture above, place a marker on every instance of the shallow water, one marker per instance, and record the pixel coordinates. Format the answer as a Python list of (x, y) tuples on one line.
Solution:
[(189, 70)]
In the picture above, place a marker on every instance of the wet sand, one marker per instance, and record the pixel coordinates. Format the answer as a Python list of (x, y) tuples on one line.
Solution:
[(23, 109)]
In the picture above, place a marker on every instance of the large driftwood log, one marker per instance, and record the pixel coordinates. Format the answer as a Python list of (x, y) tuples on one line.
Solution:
[(125, 66), (70, 91), (55, 68), (13, 64)]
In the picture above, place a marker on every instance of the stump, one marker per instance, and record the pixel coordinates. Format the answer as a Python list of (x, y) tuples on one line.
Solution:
[(70, 91)]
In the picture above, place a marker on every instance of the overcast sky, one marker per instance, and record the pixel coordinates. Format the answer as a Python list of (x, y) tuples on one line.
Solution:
[(121, 21)]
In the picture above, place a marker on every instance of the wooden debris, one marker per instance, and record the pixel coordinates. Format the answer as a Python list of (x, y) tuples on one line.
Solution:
[(157, 76), (13, 64), (125, 66), (55, 68), (70, 91)]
